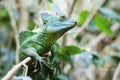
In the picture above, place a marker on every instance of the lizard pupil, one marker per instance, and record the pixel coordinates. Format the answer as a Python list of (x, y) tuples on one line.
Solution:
[(62, 18)]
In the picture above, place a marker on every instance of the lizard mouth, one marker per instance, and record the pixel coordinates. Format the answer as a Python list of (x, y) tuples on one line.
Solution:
[(72, 23), (75, 23)]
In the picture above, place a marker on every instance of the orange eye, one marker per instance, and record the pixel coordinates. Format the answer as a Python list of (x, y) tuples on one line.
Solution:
[(62, 18)]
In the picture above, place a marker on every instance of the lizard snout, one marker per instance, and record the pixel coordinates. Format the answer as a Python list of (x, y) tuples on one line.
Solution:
[(74, 22)]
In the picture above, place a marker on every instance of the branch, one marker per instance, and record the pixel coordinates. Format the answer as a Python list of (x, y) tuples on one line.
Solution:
[(23, 15), (116, 74), (11, 73), (72, 8), (15, 30), (83, 27), (88, 20), (102, 36)]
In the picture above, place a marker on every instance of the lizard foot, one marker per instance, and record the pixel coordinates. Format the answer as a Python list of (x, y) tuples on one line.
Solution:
[(32, 52), (44, 62)]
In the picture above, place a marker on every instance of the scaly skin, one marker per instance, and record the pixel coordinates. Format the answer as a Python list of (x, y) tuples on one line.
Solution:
[(36, 44)]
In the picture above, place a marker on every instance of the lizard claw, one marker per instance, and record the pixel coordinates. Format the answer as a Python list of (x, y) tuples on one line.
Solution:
[(44, 62)]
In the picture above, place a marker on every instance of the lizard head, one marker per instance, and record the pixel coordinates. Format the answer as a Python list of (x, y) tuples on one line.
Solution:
[(57, 24)]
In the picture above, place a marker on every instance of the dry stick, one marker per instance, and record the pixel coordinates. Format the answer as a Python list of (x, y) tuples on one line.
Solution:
[(11, 73), (116, 74), (102, 36), (14, 26)]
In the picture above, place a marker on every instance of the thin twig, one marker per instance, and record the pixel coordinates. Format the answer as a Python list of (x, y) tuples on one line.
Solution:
[(11, 73), (116, 74)]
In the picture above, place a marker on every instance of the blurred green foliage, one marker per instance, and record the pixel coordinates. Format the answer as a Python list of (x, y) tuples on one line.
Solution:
[(102, 21), (64, 53), (83, 17), (103, 24), (7, 50), (4, 17), (50, 1), (7, 44), (67, 51)]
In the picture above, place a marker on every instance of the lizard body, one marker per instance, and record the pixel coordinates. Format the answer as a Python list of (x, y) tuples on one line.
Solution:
[(36, 44)]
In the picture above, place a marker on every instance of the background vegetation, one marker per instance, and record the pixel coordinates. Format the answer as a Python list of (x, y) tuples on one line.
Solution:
[(90, 51)]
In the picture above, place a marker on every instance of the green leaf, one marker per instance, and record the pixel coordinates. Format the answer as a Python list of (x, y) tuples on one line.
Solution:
[(103, 24), (49, 8), (64, 53), (4, 17), (68, 51), (83, 17), (78, 38), (50, 1), (71, 50), (97, 60), (115, 59)]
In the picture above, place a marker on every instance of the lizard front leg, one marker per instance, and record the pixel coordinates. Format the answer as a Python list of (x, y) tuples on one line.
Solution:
[(33, 53)]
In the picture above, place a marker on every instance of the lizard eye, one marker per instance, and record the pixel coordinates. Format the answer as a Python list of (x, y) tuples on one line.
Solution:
[(62, 18)]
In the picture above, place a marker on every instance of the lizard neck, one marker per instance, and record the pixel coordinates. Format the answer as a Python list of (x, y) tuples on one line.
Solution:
[(45, 38)]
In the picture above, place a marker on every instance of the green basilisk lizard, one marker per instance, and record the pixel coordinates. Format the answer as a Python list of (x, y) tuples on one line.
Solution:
[(37, 44)]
